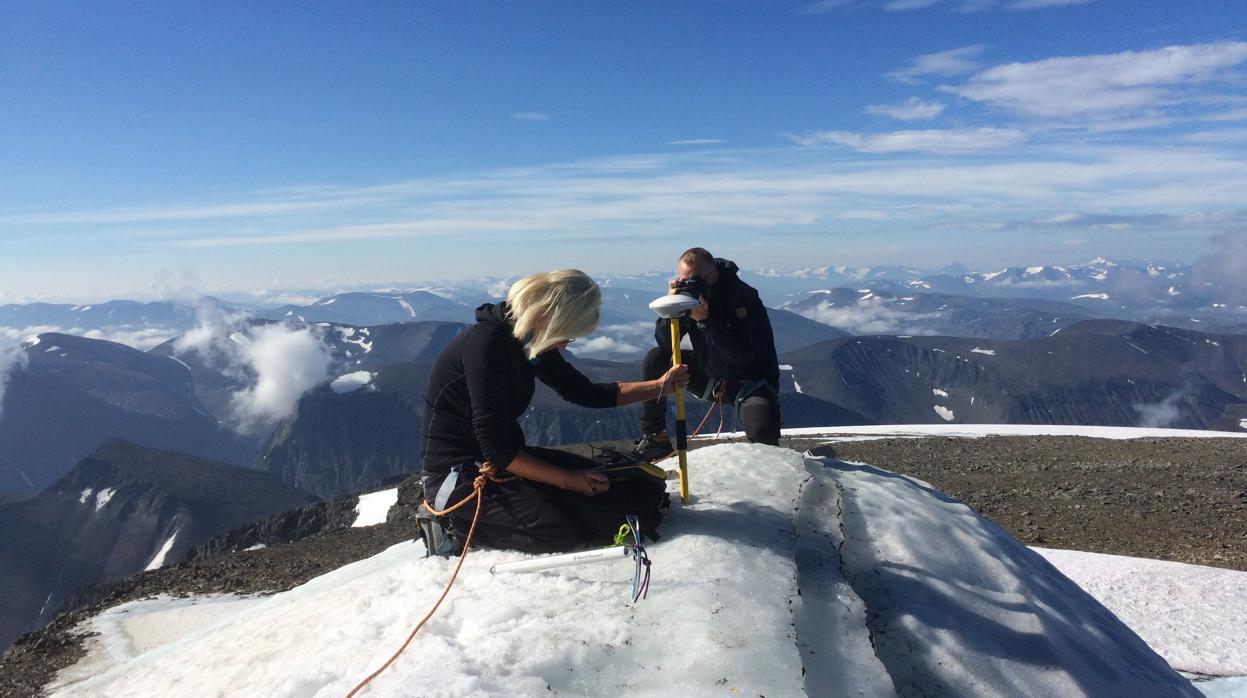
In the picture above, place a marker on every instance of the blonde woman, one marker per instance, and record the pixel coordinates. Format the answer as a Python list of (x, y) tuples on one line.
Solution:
[(482, 383)]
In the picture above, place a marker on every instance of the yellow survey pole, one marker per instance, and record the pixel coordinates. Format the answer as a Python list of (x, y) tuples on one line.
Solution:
[(681, 431)]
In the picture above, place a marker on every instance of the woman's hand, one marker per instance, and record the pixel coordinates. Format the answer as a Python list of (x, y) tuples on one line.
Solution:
[(676, 376), (587, 482)]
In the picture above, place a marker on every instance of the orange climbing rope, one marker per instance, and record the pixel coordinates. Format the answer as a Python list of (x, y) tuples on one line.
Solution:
[(486, 475)]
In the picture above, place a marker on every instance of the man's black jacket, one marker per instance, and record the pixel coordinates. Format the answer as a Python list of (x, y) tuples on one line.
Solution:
[(482, 383), (735, 342)]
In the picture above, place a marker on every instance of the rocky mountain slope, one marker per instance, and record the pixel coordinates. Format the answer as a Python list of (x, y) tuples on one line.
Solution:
[(75, 393), (1095, 372), (123, 509)]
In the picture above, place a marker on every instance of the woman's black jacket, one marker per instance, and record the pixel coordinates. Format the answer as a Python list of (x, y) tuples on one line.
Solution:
[(482, 383)]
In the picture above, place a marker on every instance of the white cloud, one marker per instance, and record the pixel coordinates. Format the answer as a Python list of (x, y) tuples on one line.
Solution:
[(1100, 85), (863, 215), (869, 316), (12, 336), (605, 346), (11, 359), (640, 326), (141, 338), (953, 5), (697, 141), (957, 61), (287, 362), (500, 288), (928, 141), (530, 116), (1042, 4), (188, 213), (826, 6), (912, 109), (1228, 135), (902, 5), (1231, 115), (277, 364), (1160, 414), (209, 337), (367, 232), (747, 193)]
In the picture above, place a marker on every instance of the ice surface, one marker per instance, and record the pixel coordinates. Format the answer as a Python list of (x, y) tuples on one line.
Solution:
[(717, 621), (978, 350), (1193, 616), (944, 413), (958, 607)]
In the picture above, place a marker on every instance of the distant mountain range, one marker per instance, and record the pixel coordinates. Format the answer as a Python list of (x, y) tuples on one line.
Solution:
[(877, 311), (374, 309), (1144, 291), (1100, 372)]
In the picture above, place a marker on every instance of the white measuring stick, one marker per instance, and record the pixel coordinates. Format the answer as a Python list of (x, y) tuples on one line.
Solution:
[(566, 560)]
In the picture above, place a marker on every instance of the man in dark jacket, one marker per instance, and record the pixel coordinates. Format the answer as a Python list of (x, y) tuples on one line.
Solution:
[(733, 355)]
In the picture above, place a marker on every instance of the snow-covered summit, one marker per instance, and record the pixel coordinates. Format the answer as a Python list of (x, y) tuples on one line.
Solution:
[(786, 575)]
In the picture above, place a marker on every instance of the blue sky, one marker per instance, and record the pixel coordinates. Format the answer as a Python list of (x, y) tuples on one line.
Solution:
[(151, 147)]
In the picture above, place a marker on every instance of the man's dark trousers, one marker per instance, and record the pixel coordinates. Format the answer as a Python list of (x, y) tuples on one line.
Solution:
[(758, 412)]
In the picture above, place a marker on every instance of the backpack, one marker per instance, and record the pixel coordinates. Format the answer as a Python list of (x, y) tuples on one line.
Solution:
[(638, 488)]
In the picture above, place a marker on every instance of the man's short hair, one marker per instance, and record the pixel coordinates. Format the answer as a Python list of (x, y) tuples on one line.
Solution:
[(697, 254)]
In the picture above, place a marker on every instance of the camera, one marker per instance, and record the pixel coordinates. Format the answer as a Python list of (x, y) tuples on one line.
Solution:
[(693, 287)]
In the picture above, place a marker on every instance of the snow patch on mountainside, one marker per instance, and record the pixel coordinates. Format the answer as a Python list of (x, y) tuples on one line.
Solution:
[(373, 508), (858, 433), (352, 381), (1193, 616), (104, 497), (158, 560)]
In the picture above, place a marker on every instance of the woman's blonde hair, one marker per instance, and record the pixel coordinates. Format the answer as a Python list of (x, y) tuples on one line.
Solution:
[(552, 307)]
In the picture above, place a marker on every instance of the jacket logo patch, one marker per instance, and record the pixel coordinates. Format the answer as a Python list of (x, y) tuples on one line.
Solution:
[(742, 312)]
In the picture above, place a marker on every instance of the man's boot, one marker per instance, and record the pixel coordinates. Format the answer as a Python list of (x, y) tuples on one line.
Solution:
[(654, 447)]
